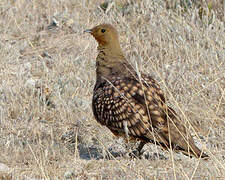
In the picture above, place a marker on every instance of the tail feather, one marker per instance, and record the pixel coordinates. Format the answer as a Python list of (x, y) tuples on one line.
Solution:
[(196, 153), (181, 138)]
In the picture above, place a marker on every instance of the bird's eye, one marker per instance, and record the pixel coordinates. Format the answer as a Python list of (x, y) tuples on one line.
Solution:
[(103, 30)]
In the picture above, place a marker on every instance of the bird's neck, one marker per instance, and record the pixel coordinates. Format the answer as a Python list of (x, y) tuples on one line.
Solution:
[(111, 62)]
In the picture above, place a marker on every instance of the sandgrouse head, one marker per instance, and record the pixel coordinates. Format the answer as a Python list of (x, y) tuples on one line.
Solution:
[(105, 35)]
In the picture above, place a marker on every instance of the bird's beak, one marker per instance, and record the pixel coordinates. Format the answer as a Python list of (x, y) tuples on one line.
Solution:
[(88, 31)]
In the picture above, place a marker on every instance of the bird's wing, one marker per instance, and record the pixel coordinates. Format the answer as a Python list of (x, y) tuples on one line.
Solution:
[(137, 108), (128, 106), (173, 129)]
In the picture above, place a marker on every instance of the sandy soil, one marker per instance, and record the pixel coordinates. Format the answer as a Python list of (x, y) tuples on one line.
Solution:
[(47, 73)]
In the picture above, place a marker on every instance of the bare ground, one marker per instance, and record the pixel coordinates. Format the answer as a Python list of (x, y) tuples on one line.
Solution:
[(47, 73)]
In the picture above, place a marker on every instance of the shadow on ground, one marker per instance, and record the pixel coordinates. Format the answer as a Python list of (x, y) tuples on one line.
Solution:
[(93, 152)]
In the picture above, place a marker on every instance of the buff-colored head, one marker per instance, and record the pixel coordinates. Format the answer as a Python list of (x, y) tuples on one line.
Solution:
[(105, 34)]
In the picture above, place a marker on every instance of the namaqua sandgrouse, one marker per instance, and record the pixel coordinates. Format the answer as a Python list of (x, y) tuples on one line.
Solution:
[(134, 106)]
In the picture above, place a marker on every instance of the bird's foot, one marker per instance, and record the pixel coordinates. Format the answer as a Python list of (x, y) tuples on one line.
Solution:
[(136, 154)]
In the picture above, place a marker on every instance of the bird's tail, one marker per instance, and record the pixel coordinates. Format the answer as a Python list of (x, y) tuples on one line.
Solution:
[(196, 152), (180, 137)]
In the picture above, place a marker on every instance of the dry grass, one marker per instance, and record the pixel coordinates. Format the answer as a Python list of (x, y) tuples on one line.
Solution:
[(47, 130)]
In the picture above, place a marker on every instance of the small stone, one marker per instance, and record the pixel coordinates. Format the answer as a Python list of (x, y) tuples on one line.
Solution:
[(69, 174)]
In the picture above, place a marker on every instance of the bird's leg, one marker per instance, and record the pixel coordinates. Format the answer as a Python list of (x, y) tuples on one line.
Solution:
[(140, 146), (137, 152)]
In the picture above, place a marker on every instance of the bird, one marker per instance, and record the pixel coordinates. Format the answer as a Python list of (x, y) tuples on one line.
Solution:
[(131, 104)]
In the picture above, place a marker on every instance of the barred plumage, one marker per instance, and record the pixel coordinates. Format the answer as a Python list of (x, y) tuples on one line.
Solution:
[(134, 105)]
